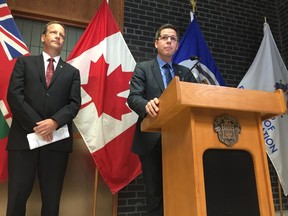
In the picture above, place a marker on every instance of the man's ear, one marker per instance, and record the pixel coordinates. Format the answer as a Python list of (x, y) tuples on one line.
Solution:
[(42, 38)]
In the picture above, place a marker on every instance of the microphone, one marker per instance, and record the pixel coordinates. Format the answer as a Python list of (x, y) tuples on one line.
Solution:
[(192, 58)]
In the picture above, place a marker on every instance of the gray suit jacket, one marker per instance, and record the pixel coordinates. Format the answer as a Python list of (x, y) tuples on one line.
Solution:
[(30, 100), (146, 84)]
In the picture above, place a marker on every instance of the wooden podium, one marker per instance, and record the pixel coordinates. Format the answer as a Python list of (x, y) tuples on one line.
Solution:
[(206, 173)]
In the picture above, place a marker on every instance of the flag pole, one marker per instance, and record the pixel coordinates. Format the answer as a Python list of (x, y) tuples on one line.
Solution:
[(279, 184), (193, 3), (280, 198), (95, 191)]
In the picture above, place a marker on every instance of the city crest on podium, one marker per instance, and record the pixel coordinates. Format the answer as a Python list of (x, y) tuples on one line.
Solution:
[(227, 129)]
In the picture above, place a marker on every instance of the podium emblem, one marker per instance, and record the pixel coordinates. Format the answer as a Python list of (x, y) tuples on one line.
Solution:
[(227, 129)]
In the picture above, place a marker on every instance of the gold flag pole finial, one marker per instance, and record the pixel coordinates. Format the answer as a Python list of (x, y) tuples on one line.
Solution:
[(265, 19), (193, 3)]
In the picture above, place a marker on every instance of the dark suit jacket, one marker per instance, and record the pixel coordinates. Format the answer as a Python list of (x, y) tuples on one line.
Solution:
[(146, 84), (30, 100)]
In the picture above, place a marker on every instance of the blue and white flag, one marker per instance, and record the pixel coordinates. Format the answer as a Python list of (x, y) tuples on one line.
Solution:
[(268, 73), (193, 44)]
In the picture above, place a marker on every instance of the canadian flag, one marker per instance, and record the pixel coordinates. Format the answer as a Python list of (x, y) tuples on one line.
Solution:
[(105, 121)]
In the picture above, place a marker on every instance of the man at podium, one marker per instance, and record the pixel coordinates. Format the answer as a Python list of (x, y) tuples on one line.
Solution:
[(149, 80)]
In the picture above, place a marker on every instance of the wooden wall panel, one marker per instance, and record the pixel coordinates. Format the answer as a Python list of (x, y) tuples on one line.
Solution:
[(117, 8), (71, 12)]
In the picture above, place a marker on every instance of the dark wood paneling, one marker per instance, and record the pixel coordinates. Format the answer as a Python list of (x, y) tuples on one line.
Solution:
[(117, 8), (71, 12)]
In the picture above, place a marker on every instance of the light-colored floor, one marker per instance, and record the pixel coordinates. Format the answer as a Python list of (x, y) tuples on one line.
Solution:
[(285, 213)]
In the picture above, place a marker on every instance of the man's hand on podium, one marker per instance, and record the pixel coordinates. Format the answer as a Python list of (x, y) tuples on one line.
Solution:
[(152, 107)]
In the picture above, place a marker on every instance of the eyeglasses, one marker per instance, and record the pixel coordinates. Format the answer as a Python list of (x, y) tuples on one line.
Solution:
[(166, 37)]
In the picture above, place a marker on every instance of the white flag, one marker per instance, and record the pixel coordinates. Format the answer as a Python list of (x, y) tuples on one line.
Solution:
[(268, 73)]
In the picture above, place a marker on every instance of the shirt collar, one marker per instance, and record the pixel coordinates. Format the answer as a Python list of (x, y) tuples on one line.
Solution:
[(162, 63), (46, 57)]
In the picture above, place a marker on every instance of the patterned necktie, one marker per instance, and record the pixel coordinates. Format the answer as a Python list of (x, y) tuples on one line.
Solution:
[(167, 73), (49, 71)]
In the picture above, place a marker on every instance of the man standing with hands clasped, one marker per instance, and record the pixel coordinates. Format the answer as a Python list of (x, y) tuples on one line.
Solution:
[(148, 82), (43, 95)]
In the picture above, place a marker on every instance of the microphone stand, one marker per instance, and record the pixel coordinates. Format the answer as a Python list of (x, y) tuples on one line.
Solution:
[(195, 65)]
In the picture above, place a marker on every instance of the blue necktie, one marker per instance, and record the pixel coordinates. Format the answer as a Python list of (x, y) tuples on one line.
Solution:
[(167, 73)]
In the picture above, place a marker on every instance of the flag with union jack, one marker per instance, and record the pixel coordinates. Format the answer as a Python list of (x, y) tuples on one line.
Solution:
[(11, 47)]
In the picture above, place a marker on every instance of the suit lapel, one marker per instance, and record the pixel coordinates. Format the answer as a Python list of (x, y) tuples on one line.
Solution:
[(155, 68), (57, 71), (41, 69), (177, 71)]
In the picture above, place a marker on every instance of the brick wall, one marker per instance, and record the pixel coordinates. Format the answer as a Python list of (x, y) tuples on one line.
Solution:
[(233, 31), (283, 25)]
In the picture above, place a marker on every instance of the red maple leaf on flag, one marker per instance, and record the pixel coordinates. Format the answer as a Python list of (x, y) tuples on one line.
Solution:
[(105, 89), (106, 66)]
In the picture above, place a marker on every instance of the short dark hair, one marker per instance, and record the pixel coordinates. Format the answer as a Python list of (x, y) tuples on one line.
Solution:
[(165, 26), (53, 22)]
